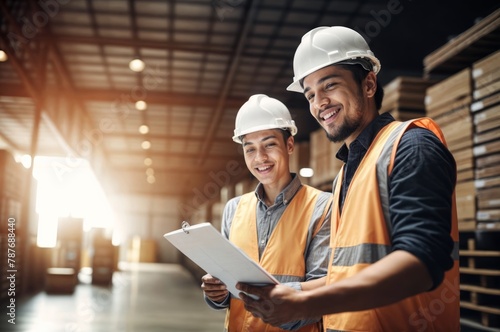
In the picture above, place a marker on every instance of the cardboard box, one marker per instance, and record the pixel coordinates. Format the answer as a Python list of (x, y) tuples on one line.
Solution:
[(60, 280), (102, 275)]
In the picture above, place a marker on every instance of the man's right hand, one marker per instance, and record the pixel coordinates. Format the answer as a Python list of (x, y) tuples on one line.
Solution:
[(214, 289)]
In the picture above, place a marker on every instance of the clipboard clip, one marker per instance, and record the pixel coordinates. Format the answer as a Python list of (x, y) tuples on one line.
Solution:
[(185, 225)]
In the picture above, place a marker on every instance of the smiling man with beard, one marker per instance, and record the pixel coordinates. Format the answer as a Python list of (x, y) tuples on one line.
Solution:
[(394, 240)]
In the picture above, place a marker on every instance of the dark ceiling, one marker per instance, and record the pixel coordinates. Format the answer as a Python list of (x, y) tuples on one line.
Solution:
[(68, 72)]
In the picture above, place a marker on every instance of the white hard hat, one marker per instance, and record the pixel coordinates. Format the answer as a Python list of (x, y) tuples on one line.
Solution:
[(324, 46), (261, 112)]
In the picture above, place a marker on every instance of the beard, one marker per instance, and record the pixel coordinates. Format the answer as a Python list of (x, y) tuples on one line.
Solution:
[(344, 131), (349, 125)]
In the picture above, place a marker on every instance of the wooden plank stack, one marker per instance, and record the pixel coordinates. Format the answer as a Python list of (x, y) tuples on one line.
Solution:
[(404, 97), (103, 261), (486, 113), (448, 103), (323, 161), (473, 44), (466, 106), (299, 159)]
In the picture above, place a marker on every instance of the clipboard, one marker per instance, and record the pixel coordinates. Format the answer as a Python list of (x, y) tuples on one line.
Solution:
[(215, 254)]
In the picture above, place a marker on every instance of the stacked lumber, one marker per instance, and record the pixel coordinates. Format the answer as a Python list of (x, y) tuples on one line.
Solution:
[(404, 97), (486, 114), (466, 106), (448, 103), (472, 45), (322, 160), (299, 159)]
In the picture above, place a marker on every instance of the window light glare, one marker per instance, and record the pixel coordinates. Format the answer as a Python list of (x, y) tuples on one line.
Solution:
[(137, 65), (26, 161), (141, 105), (3, 56), (144, 129), (148, 161), (146, 145), (306, 172)]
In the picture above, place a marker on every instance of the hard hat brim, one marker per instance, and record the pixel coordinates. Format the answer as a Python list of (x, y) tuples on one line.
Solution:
[(297, 87)]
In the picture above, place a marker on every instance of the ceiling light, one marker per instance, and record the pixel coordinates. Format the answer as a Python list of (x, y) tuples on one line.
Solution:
[(137, 65), (306, 172), (150, 171), (146, 145), (148, 161), (144, 129), (141, 105), (151, 179), (3, 56)]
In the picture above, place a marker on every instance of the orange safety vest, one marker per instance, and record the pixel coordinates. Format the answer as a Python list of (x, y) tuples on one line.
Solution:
[(284, 253), (355, 247)]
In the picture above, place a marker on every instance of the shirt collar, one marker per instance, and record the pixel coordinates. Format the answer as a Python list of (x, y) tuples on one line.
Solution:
[(367, 136), (286, 195)]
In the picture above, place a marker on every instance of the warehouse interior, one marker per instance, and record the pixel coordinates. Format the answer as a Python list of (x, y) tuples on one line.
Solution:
[(116, 120)]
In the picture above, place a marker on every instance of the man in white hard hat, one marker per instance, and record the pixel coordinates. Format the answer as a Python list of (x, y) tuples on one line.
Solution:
[(283, 225), (394, 241)]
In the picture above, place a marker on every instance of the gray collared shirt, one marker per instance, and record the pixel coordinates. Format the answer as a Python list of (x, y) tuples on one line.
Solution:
[(317, 247)]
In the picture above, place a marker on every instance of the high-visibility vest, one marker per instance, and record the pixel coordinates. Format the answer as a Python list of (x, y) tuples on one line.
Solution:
[(284, 253), (361, 235)]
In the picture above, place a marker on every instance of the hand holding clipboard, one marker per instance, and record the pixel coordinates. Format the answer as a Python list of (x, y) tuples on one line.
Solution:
[(206, 247)]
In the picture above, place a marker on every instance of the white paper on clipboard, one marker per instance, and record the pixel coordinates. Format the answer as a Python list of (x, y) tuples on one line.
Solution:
[(211, 251)]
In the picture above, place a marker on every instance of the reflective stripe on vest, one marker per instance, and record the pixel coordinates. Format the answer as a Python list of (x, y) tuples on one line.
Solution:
[(361, 236), (284, 253)]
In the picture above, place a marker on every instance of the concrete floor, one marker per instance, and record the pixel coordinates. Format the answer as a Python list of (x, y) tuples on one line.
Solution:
[(143, 298)]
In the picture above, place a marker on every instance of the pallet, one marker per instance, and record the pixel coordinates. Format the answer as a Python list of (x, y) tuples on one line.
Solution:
[(480, 284), (488, 316)]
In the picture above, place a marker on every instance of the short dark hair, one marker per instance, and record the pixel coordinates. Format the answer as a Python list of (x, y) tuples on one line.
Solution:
[(359, 74), (286, 134)]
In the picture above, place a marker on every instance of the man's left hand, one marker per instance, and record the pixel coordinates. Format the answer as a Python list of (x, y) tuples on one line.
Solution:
[(276, 304)]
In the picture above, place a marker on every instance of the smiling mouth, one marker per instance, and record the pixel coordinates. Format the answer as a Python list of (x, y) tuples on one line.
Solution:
[(262, 169), (331, 113)]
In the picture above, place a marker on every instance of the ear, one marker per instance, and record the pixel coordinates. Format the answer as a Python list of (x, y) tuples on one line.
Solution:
[(370, 84), (290, 146)]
